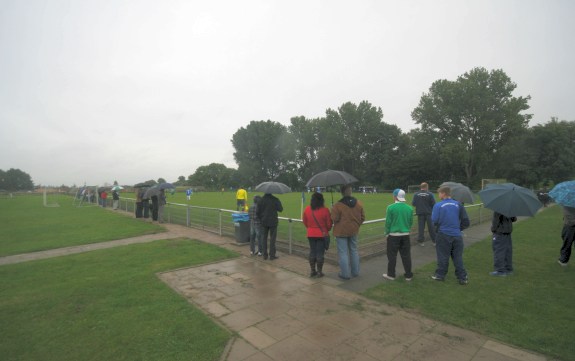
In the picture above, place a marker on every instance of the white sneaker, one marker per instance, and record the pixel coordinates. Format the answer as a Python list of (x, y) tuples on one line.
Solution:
[(259, 253), (388, 277)]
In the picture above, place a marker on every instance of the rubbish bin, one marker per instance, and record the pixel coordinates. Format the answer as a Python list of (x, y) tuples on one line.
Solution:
[(242, 227)]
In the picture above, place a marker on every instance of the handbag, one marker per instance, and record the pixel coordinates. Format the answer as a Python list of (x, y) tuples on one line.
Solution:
[(326, 237)]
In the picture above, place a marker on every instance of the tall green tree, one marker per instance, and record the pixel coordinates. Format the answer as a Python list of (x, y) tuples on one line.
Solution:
[(544, 155), (355, 139), (214, 177), (306, 137), (15, 180), (264, 150), (473, 117)]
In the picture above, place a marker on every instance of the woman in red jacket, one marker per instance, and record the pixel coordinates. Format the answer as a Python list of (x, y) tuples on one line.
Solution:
[(317, 220)]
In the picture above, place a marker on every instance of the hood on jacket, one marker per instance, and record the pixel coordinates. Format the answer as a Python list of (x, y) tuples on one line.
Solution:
[(348, 201)]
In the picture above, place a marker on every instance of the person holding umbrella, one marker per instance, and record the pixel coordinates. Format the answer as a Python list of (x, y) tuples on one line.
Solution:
[(567, 234), (501, 227), (347, 215), (267, 212), (317, 221)]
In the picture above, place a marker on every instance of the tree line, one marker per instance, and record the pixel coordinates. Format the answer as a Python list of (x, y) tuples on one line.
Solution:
[(469, 129)]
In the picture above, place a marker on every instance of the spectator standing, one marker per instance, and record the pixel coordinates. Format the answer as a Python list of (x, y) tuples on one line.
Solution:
[(423, 201), (188, 193), (116, 199), (317, 220), (139, 202), (255, 228), (398, 221), (161, 204), (241, 199), (267, 212), (347, 215), (450, 218), (567, 234), (501, 227), (104, 197)]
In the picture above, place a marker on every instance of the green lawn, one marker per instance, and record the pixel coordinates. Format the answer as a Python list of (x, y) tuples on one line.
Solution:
[(530, 309), (27, 226), (107, 305)]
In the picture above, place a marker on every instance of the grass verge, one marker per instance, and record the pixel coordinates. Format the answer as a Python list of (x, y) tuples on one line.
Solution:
[(107, 305), (528, 309)]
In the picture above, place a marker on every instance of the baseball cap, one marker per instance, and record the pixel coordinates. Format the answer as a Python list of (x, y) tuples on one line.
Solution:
[(399, 194)]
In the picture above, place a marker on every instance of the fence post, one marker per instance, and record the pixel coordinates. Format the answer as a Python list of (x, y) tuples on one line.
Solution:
[(188, 215), (220, 222), (290, 234)]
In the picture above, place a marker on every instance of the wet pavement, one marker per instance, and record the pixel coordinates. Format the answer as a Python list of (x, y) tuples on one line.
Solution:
[(276, 312)]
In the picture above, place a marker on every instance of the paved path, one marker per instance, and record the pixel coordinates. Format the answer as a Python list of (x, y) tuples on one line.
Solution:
[(278, 313)]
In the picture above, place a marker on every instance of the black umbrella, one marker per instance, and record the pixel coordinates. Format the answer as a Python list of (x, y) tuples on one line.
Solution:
[(510, 200), (273, 187), (459, 192), (330, 178)]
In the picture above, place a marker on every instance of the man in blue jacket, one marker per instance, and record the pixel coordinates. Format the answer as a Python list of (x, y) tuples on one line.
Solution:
[(450, 218)]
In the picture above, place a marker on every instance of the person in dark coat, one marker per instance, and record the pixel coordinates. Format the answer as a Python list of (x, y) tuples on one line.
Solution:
[(501, 227), (267, 212), (423, 201), (567, 234)]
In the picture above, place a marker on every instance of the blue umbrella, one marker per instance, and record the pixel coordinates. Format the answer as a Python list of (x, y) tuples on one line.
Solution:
[(564, 193), (510, 200)]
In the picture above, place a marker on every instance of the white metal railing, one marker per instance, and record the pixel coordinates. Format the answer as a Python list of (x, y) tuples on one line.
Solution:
[(219, 221)]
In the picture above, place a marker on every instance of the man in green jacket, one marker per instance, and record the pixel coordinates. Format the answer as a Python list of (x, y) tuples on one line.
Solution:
[(398, 221)]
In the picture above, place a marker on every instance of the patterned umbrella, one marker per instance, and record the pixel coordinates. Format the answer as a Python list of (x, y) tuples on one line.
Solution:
[(564, 193)]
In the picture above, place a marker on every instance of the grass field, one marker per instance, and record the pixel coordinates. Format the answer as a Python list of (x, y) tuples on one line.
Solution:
[(28, 226), (529, 309), (103, 305)]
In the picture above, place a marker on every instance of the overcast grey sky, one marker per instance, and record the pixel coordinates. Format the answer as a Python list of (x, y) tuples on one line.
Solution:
[(97, 91)]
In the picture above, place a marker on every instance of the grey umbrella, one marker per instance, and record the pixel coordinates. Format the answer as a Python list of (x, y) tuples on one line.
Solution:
[(459, 192), (165, 186), (510, 200), (273, 187), (330, 178), (153, 191)]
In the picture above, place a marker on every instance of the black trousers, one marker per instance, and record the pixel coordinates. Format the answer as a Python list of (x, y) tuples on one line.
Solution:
[(139, 209), (402, 245), (568, 236), (272, 232), (146, 204), (155, 204)]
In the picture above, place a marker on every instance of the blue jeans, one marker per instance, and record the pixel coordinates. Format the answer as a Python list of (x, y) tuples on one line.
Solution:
[(348, 256), (449, 246), (255, 238), (502, 252)]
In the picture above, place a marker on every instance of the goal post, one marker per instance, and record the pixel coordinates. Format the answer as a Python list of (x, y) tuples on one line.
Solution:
[(49, 203), (413, 188), (486, 181)]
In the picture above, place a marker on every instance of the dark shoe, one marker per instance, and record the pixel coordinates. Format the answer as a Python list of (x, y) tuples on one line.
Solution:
[(313, 274), (273, 257), (343, 278), (463, 282), (437, 278), (319, 274), (562, 263), (265, 256), (498, 274)]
